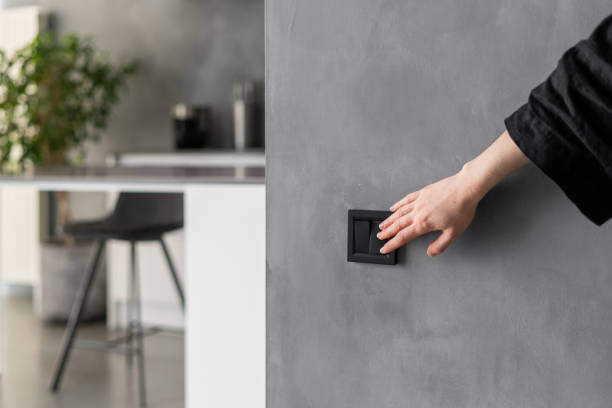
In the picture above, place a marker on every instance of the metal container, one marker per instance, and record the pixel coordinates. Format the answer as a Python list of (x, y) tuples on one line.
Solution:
[(245, 131), (61, 271)]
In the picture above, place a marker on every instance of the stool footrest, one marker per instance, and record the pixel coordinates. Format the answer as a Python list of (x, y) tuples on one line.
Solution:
[(116, 344), (104, 346)]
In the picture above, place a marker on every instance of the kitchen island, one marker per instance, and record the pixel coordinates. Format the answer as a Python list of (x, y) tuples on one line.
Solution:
[(224, 226)]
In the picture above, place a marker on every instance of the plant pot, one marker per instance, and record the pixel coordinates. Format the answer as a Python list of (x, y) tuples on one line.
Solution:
[(62, 269)]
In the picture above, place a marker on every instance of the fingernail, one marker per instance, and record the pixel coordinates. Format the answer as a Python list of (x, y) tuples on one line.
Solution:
[(381, 225), (382, 250), (379, 235)]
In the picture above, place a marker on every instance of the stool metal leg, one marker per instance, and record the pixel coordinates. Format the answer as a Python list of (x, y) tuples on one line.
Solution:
[(129, 310), (75, 317), (175, 278), (138, 327)]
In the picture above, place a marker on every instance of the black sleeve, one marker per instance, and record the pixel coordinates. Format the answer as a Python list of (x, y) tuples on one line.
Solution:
[(566, 126)]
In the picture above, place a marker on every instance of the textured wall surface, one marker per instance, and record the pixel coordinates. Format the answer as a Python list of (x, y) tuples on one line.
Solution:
[(190, 51), (368, 100)]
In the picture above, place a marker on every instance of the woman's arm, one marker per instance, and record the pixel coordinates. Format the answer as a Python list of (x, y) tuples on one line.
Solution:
[(564, 129), (450, 204)]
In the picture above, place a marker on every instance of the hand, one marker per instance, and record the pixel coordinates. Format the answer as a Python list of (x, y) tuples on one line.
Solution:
[(448, 205)]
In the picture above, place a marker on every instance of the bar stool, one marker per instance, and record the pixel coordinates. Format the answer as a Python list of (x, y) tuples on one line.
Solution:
[(136, 217)]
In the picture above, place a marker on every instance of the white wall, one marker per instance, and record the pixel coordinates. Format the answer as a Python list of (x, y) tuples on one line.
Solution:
[(18, 207), (19, 25), (19, 237)]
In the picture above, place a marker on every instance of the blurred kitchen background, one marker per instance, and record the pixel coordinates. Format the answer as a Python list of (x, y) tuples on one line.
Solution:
[(195, 100), (190, 51)]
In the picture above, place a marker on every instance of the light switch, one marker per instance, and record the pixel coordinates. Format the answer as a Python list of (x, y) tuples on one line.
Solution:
[(375, 243), (362, 243), (362, 236)]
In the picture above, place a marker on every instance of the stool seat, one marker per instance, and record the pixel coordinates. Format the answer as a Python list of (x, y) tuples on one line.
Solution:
[(111, 229)]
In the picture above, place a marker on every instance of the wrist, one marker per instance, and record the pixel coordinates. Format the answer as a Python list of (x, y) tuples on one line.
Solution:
[(477, 180), (490, 167)]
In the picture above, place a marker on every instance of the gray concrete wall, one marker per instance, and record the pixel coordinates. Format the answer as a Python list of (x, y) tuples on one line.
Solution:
[(368, 100), (190, 51)]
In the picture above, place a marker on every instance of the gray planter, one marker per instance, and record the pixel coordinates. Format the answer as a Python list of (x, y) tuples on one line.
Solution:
[(62, 267)]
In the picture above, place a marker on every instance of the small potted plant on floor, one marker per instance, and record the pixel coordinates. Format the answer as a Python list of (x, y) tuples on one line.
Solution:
[(56, 95)]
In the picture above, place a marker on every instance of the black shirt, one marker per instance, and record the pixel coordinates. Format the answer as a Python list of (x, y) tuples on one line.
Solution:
[(566, 126)]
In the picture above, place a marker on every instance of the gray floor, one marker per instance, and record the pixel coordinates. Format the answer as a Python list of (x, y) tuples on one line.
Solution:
[(94, 378)]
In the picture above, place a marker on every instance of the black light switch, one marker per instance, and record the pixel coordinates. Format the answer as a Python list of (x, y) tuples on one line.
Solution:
[(363, 245), (375, 243), (362, 236)]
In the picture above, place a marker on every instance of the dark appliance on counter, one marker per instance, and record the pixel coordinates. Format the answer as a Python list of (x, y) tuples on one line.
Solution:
[(192, 126)]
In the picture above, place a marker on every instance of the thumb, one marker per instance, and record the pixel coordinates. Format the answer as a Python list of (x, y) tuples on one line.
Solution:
[(441, 243)]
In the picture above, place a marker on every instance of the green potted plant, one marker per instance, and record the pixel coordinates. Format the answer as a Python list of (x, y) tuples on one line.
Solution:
[(56, 95)]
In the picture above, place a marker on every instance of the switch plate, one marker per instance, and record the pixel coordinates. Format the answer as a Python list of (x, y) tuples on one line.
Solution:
[(363, 245)]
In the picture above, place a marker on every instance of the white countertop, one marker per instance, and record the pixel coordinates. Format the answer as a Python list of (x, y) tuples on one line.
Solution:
[(189, 158), (146, 178)]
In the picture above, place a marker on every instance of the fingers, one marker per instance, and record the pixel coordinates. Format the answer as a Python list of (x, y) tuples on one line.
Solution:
[(406, 200), (407, 233), (393, 217), (399, 224), (441, 243), (403, 237)]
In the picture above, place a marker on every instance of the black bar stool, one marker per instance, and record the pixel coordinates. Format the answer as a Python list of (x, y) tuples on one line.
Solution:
[(136, 217)]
